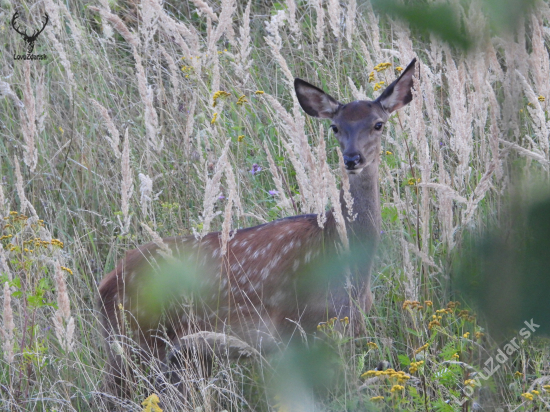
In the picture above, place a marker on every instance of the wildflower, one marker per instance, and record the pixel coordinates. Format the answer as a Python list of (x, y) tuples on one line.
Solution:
[(371, 77), (378, 85), (527, 396), (479, 335), (380, 67), (518, 374), (221, 197), (57, 242), (255, 169), (69, 271), (61, 130), (406, 304), (275, 193), (388, 152), (377, 398), (469, 382), (259, 92), (535, 392), (372, 345), (423, 347), (13, 213), (541, 98), (414, 366), (456, 356), (433, 323), (242, 100), (151, 404), (214, 118), (399, 68), (411, 182), (345, 321), (428, 303), (368, 374), (546, 388), (240, 138), (396, 388), (120, 307), (217, 95), (466, 335)]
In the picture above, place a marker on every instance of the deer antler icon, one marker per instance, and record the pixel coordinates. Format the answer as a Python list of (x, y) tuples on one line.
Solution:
[(29, 39)]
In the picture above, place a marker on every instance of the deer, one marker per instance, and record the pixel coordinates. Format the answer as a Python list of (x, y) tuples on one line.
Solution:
[(32, 38), (250, 298)]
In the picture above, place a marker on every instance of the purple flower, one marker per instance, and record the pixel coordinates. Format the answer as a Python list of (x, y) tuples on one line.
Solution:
[(221, 197), (382, 232), (255, 169), (273, 193)]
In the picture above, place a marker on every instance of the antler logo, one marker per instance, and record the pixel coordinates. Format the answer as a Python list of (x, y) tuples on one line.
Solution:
[(32, 38)]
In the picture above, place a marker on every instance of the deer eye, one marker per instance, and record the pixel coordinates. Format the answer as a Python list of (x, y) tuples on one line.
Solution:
[(334, 128), (378, 125)]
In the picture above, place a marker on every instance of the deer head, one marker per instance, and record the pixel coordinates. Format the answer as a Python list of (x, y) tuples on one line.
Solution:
[(357, 125), (32, 38)]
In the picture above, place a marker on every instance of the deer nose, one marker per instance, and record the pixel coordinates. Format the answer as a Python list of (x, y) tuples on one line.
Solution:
[(352, 161)]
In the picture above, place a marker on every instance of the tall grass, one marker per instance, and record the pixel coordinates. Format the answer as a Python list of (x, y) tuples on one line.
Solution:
[(149, 72)]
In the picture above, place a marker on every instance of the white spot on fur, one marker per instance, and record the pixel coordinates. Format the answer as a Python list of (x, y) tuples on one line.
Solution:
[(264, 273), (307, 258), (216, 252), (234, 267), (296, 265), (298, 243)]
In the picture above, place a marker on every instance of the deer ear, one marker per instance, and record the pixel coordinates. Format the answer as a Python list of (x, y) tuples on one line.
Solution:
[(398, 94), (314, 101)]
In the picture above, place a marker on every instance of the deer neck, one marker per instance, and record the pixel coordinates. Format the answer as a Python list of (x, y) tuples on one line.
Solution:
[(364, 230)]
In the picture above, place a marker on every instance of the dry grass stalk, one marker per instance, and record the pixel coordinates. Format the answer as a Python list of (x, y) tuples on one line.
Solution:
[(479, 193), (53, 12), (146, 194), (114, 139), (320, 26), (540, 62), (119, 26), (357, 94), (461, 121), (203, 7), (244, 61), (164, 250), (62, 320), (319, 179), (4, 209), (75, 30), (334, 12), (350, 21), (40, 101), (212, 192), (5, 90), (150, 115), (494, 110), (282, 201), (4, 268), (9, 326), (225, 20), (189, 125), (537, 114), (64, 62), (348, 199), (28, 120), (24, 203), (126, 186), (174, 75), (148, 26), (292, 24), (226, 235)]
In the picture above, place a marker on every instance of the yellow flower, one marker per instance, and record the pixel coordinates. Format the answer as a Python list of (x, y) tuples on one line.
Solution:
[(242, 100), (377, 398), (214, 118), (479, 335), (455, 356), (345, 321), (378, 85), (396, 388), (469, 382), (388, 152), (150, 404), (535, 392), (527, 396), (423, 347), (411, 182), (399, 68), (371, 77), (368, 374), (428, 303), (240, 138), (120, 307), (67, 270), (433, 323), (546, 388), (541, 98), (382, 66), (518, 374), (466, 335), (61, 130), (372, 345), (57, 242), (259, 92), (217, 95)]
